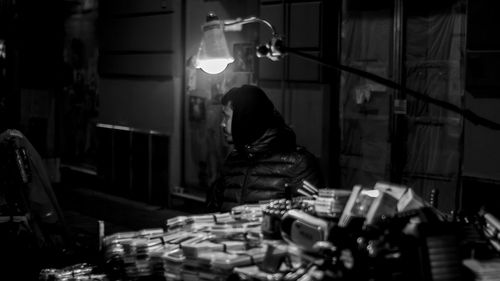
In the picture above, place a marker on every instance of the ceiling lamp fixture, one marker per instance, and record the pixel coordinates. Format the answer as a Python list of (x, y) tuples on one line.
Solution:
[(213, 54)]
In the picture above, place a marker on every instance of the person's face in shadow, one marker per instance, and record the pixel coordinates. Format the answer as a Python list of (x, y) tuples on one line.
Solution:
[(227, 120)]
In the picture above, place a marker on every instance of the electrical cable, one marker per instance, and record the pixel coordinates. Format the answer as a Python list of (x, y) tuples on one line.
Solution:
[(467, 114)]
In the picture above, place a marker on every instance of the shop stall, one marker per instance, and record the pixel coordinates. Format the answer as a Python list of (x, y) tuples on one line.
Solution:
[(382, 232)]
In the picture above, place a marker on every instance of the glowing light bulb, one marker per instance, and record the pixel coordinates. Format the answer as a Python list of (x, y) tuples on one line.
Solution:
[(214, 66), (213, 55)]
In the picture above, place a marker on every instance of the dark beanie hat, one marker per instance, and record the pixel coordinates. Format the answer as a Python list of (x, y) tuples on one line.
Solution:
[(252, 113)]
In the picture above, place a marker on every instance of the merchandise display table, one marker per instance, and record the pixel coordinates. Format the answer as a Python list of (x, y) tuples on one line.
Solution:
[(382, 233)]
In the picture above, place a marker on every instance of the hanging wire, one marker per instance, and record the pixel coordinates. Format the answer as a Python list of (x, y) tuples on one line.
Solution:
[(467, 114)]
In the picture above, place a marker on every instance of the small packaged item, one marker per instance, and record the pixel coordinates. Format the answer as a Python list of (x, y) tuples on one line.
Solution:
[(331, 202), (227, 261), (179, 223), (253, 272), (406, 197), (151, 232), (248, 212), (194, 250), (183, 237), (173, 262), (394, 190), (410, 201), (384, 204), (357, 206), (80, 271), (234, 229), (118, 237), (303, 230)]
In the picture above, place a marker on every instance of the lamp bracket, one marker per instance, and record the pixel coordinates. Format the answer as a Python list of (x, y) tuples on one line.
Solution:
[(240, 21), (272, 49)]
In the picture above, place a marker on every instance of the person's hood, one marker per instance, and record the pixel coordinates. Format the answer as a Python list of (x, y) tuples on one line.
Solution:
[(253, 113)]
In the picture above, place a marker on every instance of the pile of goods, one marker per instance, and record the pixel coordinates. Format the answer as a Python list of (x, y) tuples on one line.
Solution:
[(384, 232)]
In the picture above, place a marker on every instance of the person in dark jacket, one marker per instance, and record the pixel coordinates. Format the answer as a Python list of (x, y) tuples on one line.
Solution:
[(265, 163)]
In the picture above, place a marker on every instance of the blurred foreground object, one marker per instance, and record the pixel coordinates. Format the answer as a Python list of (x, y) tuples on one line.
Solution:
[(32, 228)]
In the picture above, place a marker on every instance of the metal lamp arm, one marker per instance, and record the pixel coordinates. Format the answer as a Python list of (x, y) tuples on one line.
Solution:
[(272, 49), (251, 20)]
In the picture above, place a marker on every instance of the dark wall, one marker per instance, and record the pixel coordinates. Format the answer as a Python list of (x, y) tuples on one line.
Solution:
[(39, 37), (481, 184)]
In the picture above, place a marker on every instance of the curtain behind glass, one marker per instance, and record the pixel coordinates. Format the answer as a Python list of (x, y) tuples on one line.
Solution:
[(434, 48), (364, 105)]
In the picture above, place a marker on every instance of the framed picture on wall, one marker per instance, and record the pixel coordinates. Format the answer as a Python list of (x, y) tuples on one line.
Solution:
[(196, 108), (244, 54)]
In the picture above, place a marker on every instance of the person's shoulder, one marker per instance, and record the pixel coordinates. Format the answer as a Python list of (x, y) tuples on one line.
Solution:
[(303, 152), (299, 154)]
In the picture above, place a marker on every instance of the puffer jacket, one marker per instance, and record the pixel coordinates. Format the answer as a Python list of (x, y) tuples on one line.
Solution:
[(269, 168)]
